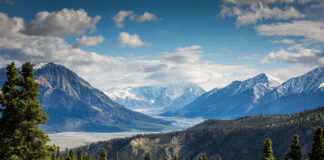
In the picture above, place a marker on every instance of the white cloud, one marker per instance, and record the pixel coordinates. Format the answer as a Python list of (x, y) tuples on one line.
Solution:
[(146, 17), (308, 29), (126, 39), (122, 15), (258, 12), (10, 26), (308, 57), (61, 23), (189, 54), (284, 41), (86, 41)]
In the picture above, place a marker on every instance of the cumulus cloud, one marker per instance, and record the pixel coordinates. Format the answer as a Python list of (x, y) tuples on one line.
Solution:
[(122, 15), (86, 41), (258, 11), (61, 23), (308, 29), (126, 39), (189, 54), (146, 17), (304, 56), (284, 41)]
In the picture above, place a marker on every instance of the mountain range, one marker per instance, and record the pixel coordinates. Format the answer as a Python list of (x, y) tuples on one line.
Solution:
[(158, 97), (72, 104), (261, 94)]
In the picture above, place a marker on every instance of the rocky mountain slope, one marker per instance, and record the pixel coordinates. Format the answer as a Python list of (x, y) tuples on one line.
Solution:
[(72, 104)]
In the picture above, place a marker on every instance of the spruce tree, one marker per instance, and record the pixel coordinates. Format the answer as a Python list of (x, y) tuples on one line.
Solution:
[(89, 156), (175, 157), (80, 155), (267, 150), (204, 157), (21, 115), (98, 157), (117, 156), (147, 156), (103, 155), (218, 157), (317, 152), (71, 154), (294, 153), (58, 156)]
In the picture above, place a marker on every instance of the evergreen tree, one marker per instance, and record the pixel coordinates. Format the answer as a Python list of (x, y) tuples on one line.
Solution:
[(89, 156), (103, 155), (71, 154), (218, 157), (317, 152), (147, 156), (98, 157), (175, 157), (21, 115), (204, 157), (294, 153), (188, 158), (183, 158), (117, 156), (80, 155), (130, 158), (58, 156), (267, 150), (200, 158)]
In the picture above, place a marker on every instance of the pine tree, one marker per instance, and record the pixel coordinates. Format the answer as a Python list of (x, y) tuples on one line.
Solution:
[(317, 152), (218, 157), (89, 156), (175, 157), (98, 157), (58, 156), (183, 158), (103, 155), (80, 155), (130, 158), (147, 156), (117, 156), (21, 115), (294, 153), (267, 150), (204, 157), (71, 154)]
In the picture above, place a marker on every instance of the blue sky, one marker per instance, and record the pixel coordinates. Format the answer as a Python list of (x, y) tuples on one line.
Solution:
[(131, 43)]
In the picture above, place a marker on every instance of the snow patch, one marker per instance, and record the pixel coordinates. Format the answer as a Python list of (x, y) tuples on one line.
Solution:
[(39, 66)]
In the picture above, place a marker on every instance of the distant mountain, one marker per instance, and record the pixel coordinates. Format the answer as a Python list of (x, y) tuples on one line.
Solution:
[(259, 95), (72, 104), (239, 139), (236, 99), (295, 95), (167, 97)]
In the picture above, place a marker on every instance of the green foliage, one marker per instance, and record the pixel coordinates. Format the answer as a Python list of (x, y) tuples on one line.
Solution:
[(204, 157), (267, 150), (317, 152), (147, 156), (71, 154), (218, 157), (117, 156), (20, 137), (80, 155), (98, 157), (175, 157), (89, 156), (295, 153), (103, 155)]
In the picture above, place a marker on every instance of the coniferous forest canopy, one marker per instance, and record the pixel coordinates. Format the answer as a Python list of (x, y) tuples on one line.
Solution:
[(292, 136)]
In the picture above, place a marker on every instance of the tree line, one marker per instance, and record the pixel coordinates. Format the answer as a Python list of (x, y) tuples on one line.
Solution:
[(22, 139)]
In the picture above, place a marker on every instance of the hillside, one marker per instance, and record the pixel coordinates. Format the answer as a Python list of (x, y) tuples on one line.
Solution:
[(72, 104), (239, 139)]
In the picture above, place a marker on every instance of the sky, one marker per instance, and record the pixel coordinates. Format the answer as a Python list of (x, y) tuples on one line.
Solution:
[(127, 43)]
